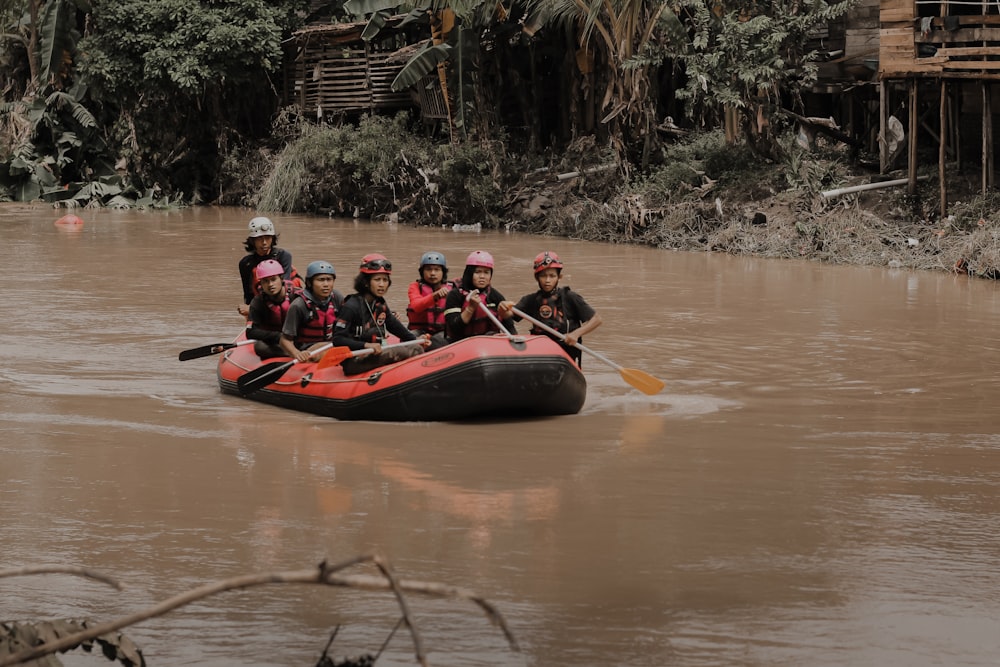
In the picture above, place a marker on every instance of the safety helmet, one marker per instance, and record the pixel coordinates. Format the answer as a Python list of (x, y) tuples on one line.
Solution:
[(375, 263), (319, 268), (547, 260), (433, 257), (261, 227), (480, 258), (268, 268)]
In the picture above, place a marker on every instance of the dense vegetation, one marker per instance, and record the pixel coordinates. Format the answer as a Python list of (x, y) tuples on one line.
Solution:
[(665, 123)]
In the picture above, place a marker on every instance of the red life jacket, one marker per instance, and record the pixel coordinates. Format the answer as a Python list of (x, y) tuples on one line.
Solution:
[(480, 323), (319, 326), (431, 320), (276, 312)]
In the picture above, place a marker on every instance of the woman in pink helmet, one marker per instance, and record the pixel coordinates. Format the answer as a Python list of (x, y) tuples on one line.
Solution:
[(269, 309), (463, 316), (558, 307)]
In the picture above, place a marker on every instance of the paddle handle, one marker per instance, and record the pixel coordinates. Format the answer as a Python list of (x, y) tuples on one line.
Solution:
[(495, 320), (561, 336)]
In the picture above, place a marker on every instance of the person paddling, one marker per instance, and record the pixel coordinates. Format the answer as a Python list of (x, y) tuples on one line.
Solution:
[(365, 321), (427, 294), (262, 244), (463, 316), (311, 317), (558, 307), (269, 309)]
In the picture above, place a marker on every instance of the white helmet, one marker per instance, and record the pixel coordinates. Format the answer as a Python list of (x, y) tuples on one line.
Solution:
[(261, 227)]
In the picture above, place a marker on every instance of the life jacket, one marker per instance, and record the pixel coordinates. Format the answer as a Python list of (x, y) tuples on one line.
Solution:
[(319, 325), (372, 325), (480, 323), (552, 311), (431, 320), (276, 312)]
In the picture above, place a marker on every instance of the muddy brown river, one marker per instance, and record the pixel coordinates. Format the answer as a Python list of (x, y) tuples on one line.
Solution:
[(818, 484)]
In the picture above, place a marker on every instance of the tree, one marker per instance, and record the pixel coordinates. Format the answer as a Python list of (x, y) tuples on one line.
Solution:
[(745, 56), (177, 78), (611, 33)]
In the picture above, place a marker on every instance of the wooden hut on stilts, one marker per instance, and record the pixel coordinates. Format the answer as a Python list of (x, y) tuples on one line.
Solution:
[(946, 52)]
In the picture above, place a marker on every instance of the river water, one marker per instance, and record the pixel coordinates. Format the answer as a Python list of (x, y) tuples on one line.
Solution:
[(816, 485)]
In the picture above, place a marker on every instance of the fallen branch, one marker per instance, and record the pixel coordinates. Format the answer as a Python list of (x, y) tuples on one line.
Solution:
[(325, 574)]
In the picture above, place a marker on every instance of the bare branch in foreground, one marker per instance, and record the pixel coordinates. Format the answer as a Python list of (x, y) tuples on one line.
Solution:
[(324, 574)]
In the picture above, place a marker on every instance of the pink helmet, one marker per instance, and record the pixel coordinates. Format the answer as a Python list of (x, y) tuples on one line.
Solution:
[(480, 258), (268, 268), (547, 260)]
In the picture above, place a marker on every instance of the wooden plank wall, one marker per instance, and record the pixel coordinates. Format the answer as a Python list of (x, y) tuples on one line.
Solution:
[(952, 46), (332, 76)]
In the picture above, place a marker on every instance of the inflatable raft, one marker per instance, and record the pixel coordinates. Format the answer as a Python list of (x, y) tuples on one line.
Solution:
[(481, 376)]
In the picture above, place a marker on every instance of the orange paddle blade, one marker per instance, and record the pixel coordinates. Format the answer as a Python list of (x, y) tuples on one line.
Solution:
[(642, 381), (333, 356)]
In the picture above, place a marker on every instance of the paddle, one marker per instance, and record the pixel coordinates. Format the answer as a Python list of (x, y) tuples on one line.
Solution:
[(207, 350), (339, 354), (641, 380), (496, 321), (264, 375)]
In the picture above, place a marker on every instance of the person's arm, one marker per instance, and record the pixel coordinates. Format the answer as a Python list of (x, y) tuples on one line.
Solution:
[(246, 277), (394, 326), (455, 317), (584, 310), (346, 323), (419, 302), (504, 312), (258, 314), (285, 258), (290, 331)]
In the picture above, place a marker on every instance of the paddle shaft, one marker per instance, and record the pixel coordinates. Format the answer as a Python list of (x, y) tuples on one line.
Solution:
[(561, 336), (333, 361), (495, 320), (208, 350), (256, 382), (641, 380)]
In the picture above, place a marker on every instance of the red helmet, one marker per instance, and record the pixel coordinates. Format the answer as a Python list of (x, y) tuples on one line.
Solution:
[(268, 268), (547, 260), (480, 258), (376, 263)]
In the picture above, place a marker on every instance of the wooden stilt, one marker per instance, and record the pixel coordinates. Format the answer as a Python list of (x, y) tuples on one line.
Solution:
[(943, 148), (911, 140), (987, 138), (883, 127)]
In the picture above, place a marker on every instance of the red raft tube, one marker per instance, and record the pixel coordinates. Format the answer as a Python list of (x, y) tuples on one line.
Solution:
[(480, 376)]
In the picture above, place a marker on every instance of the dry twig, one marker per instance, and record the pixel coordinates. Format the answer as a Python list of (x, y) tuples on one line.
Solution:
[(325, 574)]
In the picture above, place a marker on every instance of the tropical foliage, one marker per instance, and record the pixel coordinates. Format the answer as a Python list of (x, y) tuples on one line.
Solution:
[(742, 56), (126, 101), (147, 99)]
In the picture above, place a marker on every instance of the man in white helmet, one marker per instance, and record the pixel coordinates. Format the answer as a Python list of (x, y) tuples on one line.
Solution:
[(262, 244)]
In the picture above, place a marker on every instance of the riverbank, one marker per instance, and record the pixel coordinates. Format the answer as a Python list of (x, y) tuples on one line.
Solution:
[(764, 213), (706, 196)]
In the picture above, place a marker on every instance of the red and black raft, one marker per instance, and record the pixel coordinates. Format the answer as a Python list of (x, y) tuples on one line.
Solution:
[(481, 376)]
